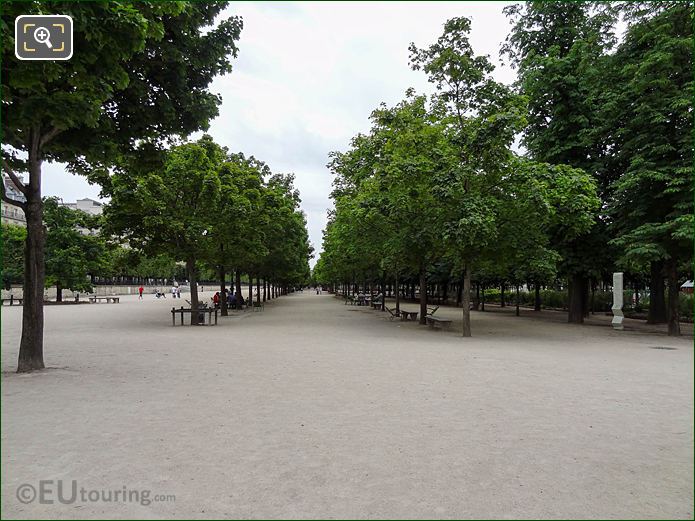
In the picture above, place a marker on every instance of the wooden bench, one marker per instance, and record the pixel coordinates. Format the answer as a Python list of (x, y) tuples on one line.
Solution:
[(409, 315), (432, 310), (258, 306), (394, 313), (434, 321), (12, 300), (201, 314), (94, 299)]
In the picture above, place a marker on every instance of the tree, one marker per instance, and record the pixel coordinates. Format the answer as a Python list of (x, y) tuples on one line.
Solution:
[(71, 255), (558, 48), (172, 211), (483, 117), (442, 188), (650, 126), (141, 77), (387, 212), (13, 239), (284, 234)]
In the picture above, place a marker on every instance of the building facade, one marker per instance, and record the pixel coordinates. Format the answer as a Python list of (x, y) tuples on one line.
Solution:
[(86, 205), (10, 213)]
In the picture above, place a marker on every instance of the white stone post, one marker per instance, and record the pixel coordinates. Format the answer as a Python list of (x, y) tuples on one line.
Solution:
[(617, 301)]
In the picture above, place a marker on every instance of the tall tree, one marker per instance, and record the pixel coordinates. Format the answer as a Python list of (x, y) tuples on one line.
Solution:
[(557, 48), (172, 211), (140, 76), (649, 121), (72, 253), (483, 117)]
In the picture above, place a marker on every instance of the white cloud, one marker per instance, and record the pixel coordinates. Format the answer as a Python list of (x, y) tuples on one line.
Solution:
[(309, 74)]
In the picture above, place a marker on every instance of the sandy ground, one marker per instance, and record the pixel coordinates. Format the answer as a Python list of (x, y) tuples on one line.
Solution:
[(316, 409)]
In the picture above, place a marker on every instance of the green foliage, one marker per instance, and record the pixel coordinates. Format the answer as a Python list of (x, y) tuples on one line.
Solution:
[(13, 238), (559, 50), (171, 211), (437, 184), (650, 125), (71, 253), (204, 205), (127, 262), (140, 76)]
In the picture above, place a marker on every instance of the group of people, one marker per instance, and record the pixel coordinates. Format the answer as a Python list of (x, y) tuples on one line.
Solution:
[(234, 300)]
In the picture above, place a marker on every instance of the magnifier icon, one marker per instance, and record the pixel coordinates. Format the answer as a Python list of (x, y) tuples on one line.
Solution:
[(43, 35)]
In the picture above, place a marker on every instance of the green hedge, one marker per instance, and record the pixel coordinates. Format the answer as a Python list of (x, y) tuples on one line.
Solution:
[(603, 300)]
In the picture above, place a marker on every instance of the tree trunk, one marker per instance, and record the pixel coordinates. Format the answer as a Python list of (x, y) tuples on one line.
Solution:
[(258, 289), (537, 296), (190, 268), (657, 302), (423, 295), (223, 293), (593, 296), (59, 291), (476, 301), (482, 301), (31, 343), (459, 292), (502, 302), (674, 328), (398, 296), (575, 313), (265, 289), (237, 281), (383, 291), (518, 299), (466, 300), (250, 299)]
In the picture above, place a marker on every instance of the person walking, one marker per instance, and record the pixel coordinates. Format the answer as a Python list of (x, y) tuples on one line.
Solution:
[(140, 290)]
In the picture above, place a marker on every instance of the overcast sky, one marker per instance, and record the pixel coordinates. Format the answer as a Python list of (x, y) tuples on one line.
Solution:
[(309, 74)]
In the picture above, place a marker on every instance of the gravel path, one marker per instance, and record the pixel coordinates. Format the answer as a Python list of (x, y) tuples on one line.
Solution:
[(316, 409)]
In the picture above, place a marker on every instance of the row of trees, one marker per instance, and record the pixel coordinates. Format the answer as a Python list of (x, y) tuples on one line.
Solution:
[(435, 187), (136, 86), (81, 249), (204, 205)]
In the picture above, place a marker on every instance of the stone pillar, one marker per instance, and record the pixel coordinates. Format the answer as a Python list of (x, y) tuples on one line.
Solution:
[(617, 301)]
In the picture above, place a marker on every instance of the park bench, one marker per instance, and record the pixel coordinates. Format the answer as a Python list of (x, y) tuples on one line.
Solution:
[(392, 312), (259, 306), (12, 300), (435, 321), (432, 310), (202, 311), (94, 299), (350, 300), (201, 305), (409, 315)]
